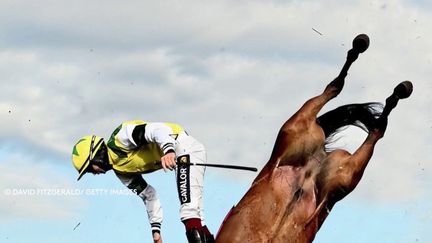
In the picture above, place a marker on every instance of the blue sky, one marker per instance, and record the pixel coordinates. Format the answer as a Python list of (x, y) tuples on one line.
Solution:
[(231, 72)]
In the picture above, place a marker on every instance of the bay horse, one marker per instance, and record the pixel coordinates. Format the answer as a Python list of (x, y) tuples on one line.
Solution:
[(298, 187)]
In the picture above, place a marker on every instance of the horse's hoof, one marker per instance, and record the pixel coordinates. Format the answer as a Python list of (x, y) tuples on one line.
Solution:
[(403, 90), (361, 43)]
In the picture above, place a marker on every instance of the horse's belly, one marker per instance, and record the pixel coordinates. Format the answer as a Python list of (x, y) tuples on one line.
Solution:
[(270, 206)]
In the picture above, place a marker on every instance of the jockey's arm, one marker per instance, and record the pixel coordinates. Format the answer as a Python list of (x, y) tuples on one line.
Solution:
[(157, 133), (154, 133), (148, 194)]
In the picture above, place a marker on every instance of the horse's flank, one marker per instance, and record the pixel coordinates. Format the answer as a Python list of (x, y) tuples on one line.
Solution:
[(299, 185)]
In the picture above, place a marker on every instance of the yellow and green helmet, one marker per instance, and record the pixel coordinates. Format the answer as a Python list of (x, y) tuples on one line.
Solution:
[(84, 151)]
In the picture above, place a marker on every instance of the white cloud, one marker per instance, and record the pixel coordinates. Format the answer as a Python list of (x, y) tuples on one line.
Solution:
[(230, 72), (28, 190)]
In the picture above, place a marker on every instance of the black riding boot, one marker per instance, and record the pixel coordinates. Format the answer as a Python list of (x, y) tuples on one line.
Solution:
[(209, 239), (195, 236)]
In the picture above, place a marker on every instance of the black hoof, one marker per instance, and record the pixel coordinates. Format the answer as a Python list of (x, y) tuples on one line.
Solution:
[(403, 90), (361, 43)]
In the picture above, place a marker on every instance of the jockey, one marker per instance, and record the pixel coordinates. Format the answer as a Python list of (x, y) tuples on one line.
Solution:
[(139, 147)]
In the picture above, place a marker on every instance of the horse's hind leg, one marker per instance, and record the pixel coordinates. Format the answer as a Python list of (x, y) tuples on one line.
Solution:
[(361, 157), (360, 44), (401, 91), (308, 112), (314, 105)]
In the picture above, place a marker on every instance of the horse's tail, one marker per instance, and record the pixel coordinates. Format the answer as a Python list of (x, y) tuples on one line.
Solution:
[(363, 116)]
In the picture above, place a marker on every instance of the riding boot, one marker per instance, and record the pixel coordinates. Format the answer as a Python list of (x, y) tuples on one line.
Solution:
[(195, 236), (209, 239)]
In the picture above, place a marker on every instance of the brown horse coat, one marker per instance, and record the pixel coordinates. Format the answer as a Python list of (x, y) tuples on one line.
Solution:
[(301, 182)]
